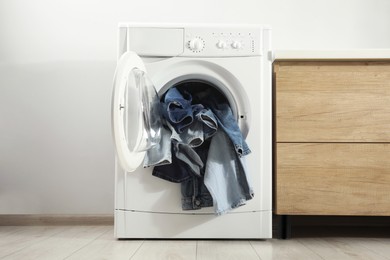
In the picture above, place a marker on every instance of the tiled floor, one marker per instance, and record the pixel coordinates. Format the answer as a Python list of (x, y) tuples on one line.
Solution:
[(97, 242)]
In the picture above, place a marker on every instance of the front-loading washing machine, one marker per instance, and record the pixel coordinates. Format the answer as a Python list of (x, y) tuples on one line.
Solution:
[(236, 61)]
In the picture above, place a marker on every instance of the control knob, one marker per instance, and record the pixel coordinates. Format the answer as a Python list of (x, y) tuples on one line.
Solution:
[(196, 44), (221, 44), (236, 45)]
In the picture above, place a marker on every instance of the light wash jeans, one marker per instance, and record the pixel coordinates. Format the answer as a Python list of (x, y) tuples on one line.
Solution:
[(226, 175), (228, 124), (160, 154)]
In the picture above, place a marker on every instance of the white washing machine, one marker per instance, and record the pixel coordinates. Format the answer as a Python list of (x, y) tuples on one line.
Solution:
[(235, 60)]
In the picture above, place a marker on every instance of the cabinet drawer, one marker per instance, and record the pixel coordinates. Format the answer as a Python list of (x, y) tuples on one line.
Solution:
[(333, 179), (332, 101)]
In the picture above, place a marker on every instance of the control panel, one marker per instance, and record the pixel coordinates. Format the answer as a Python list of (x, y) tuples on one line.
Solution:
[(245, 41)]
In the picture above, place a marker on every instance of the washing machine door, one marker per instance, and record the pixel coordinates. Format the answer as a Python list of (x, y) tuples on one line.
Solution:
[(136, 123)]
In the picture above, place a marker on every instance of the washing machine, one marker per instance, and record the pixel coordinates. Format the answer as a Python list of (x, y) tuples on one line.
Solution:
[(236, 61)]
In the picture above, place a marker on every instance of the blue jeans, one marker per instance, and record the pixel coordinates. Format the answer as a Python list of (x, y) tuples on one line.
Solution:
[(213, 174), (194, 193), (228, 124), (176, 172), (160, 154), (183, 144), (202, 128), (177, 109), (226, 175)]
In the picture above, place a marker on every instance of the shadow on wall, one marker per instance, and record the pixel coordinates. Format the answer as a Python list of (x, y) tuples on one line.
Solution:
[(56, 152)]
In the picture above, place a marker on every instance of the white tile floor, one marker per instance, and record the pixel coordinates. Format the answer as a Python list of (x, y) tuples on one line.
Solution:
[(97, 242)]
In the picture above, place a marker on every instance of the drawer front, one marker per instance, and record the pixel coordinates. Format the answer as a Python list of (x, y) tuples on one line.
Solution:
[(332, 101), (333, 179)]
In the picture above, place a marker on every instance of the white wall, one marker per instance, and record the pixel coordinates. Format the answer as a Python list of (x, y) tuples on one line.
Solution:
[(57, 60)]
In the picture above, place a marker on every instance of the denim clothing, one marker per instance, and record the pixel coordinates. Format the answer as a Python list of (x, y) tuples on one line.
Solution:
[(202, 128), (182, 150), (187, 154), (160, 154), (176, 172), (228, 124), (177, 108), (210, 122), (185, 163), (207, 151), (194, 193), (192, 135), (226, 176)]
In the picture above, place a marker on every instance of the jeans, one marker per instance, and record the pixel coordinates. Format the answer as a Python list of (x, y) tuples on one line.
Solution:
[(228, 124), (160, 154), (210, 172), (177, 109), (193, 190), (202, 128), (226, 175), (176, 172), (182, 150)]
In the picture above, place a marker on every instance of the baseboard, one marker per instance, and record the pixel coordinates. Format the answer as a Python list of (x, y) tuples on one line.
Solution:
[(47, 220), (348, 221)]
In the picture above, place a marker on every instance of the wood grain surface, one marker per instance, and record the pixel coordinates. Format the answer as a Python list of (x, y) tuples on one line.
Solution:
[(332, 101), (333, 179)]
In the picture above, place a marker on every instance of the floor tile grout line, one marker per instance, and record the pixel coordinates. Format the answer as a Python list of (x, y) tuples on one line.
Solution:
[(14, 231), (87, 244), (379, 241), (33, 244), (376, 253), (320, 256), (143, 241), (250, 242), (196, 250)]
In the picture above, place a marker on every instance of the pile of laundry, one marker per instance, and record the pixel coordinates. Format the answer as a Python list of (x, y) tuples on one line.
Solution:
[(203, 149)]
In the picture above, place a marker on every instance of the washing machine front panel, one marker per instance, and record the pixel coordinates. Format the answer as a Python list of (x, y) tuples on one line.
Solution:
[(146, 193), (222, 42), (195, 41), (146, 206)]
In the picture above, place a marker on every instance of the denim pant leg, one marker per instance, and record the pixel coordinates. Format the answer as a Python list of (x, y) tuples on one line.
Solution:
[(194, 192), (226, 176), (160, 154), (177, 171), (209, 122), (192, 135), (177, 109), (228, 123), (187, 154)]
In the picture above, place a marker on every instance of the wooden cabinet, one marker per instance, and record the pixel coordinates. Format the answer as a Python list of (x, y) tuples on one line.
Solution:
[(332, 137)]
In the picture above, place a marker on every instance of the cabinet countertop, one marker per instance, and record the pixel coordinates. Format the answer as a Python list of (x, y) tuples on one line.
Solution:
[(352, 54)]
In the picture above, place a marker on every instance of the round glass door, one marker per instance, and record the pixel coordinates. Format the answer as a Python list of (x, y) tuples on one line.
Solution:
[(135, 112), (143, 121)]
